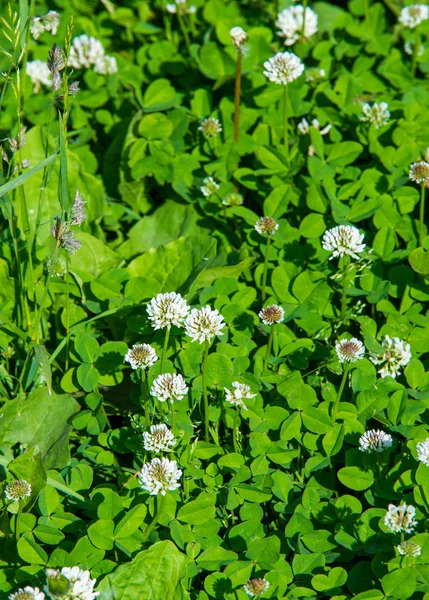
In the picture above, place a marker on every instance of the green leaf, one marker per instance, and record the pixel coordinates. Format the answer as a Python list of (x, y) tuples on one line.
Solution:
[(219, 371), (30, 551), (101, 534), (199, 511), (129, 524), (213, 558), (356, 478), (153, 573), (160, 95), (344, 153), (399, 584), (17, 181)]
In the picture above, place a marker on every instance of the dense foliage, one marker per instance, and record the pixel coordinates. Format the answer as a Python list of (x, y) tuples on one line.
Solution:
[(290, 435)]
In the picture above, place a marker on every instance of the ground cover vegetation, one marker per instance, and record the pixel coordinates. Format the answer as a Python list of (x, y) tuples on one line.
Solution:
[(213, 295)]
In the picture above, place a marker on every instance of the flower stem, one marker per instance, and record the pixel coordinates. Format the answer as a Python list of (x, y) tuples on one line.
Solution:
[(17, 522), (345, 286), (173, 418), (340, 391), (35, 333), (164, 350), (234, 431), (157, 515), (205, 396), (285, 123), (269, 346), (304, 6), (185, 33), (422, 214), (237, 97), (144, 397), (415, 52), (265, 273), (366, 10)]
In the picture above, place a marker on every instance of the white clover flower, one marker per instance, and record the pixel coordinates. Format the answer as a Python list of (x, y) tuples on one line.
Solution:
[(233, 199), (82, 586), (209, 187), (344, 239), (85, 52), (210, 127), (397, 354), (409, 549), (283, 68), (203, 324), (400, 518), (241, 391), (159, 476), (375, 440), (166, 310), (290, 21), (419, 172), (409, 48), (411, 16), (18, 490), (106, 66), (181, 7), (238, 37), (49, 22), (272, 314), (304, 127), (158, 439), (350, 350), (28, 593), (377, 114), (141, 356), (423, 452), (39, 73), (266, 225), (169, 386), (256, 587), (313, 74)]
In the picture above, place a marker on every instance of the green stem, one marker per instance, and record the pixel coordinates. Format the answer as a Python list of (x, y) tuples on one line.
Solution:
[(237, 95), (340, 391), (164, 350), (265, 273), (366, 10), (35, 333), (17, 522), (157, 515), (234, 431), (380, 465), (205, 395), (67, 310), (304, 6), (415, 52), (185, 33), (345, 286), (422, 215), (144, 397), (285, 116), (269, 346), (173, 419)]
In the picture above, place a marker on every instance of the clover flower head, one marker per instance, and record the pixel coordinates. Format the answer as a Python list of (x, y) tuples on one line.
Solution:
[(272, 314), (400, 518), (158, 439), (290, 21), (141, 356), (377, 114), (419, 172), (350, 350), (411, 16), (60, 267), (256, 587), (169, 387), (313, 74), (159, 476), (409, 549), (209, 187), (181, 7), (304, 127), (106, 66), (423, 452), (344, 239), (238, 37), (18, 490), (49, 22), (397, 354), (266, 225), (28, 593), (409, 48), (210, 127), (239, 392), (57, 584), (82, 586), (86, 52), (78, 215), (283, 68), (203, 324), (166, 310), (39, 73), (375, 440), (233, 199)]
